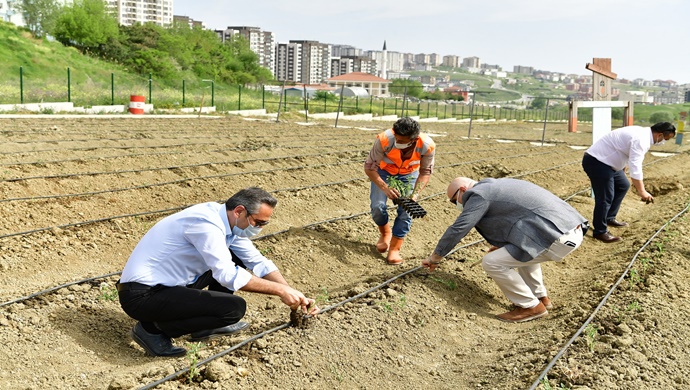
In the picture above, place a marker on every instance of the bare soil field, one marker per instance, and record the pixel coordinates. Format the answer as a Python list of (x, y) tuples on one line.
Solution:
[(77, 194)]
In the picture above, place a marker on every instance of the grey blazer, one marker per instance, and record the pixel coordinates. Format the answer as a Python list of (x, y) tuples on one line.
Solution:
[(513, 214)]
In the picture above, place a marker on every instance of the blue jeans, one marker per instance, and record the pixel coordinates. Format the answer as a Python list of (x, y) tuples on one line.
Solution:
[(379, 208), (609, 189)]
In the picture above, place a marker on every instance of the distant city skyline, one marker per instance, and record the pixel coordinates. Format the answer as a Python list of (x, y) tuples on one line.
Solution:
[(644, 39)]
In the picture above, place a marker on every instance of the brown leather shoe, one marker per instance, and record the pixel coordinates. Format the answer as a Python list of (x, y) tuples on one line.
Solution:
[(616, 223), (546, 302), (607, 237), (522, 314)]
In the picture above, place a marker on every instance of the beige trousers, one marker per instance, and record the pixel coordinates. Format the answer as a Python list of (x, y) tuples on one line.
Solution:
[(522, 282)]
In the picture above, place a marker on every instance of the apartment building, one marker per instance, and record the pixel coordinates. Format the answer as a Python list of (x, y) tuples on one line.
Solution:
[(288, 62), (315, 60), (129, 12), (451, 61), (9, 12), (263, 43), (349, 64)]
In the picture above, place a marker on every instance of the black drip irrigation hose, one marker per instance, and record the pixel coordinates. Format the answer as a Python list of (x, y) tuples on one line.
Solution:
[(251, 160), (170, 210), (385, 283), (603, 301)]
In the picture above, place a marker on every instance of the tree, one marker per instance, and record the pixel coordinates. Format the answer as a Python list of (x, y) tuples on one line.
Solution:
[(39, 15), (538, 103), (402, 86), (86, 25), (661, 116)]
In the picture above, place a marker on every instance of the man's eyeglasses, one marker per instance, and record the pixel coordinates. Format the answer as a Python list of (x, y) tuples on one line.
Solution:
[(258, 222), (454, 199)]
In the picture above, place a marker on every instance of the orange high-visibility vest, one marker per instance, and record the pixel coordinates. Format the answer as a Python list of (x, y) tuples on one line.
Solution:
[(392, 157)]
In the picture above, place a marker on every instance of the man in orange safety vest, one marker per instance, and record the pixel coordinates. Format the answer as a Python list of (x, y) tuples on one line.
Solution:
[(407, 154)]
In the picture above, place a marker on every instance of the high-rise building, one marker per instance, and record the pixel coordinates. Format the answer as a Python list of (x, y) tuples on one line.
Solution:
[(129, 12), (262, 43), (451, 61), (315, 61), (288, 62), (9, 12)]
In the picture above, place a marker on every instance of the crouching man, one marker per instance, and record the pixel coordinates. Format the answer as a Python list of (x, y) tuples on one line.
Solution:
[(525, 224), (203, 246)]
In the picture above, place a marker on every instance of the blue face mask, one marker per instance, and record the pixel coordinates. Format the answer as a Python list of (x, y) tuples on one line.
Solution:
[(249, 231)]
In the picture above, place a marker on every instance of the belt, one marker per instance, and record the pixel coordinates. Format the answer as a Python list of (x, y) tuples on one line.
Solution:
[(132, 286)]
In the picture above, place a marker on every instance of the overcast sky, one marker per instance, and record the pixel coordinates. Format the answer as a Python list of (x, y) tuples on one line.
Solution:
[(647, 39)]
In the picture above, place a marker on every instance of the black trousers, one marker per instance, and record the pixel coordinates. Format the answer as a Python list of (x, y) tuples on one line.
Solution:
[(181, 310), (609, 189)]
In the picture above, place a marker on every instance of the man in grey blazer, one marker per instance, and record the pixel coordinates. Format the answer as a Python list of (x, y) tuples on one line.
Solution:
[(525, 224)]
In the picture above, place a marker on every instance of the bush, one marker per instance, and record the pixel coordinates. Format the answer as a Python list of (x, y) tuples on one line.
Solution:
[(661, 116)]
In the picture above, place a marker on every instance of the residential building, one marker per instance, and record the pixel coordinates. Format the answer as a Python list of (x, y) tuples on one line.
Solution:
[(347, 64), (451, 61), (471, 62), (315, 61), (435, 59), (523, 69), (395, 61), (374, 85), (288, 62), (188, 21), (9, 12), (422, 59), (129, 12), (262, 43)]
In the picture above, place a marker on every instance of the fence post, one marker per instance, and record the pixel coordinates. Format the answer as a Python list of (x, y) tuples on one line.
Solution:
[(150, 87), (112, 89), (371, 105), (239, 97), (21, 84), (69, 86), (546, 115), (213, 93), (183, 93), (383, 108)]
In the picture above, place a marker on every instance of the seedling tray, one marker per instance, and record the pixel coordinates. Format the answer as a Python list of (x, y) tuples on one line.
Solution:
[(413, 208)]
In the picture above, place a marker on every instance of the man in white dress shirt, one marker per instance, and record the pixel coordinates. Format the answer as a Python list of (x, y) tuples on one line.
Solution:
[(206, 245), (605, 161)]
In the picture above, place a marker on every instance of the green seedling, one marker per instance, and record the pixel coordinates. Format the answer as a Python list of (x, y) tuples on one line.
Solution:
[(402, 301), (634, 278), (108, 293), (386, 307), (591, 334), (547, 385), (193, 358), (405, 189), (323, 298), (449, 284)]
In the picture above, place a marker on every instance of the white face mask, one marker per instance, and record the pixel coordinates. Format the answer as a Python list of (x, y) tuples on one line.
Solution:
[(458, 205), (398, 145), (249, 231), (663, 141)]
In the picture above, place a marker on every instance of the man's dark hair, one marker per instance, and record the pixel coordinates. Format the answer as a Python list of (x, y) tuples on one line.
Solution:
[(665, 128), (251, 198), (407, 127)]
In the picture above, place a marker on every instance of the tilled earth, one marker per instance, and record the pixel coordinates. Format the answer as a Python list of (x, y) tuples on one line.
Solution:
[(77, 194)]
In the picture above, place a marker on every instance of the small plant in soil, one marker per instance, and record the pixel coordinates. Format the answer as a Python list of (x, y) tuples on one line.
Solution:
[(590, 336), (193, 358), (547, 385), (323, 298), (108, 293), (447, 283)]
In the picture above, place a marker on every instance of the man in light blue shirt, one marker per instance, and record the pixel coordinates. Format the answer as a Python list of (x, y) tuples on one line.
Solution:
[(206, 245)]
